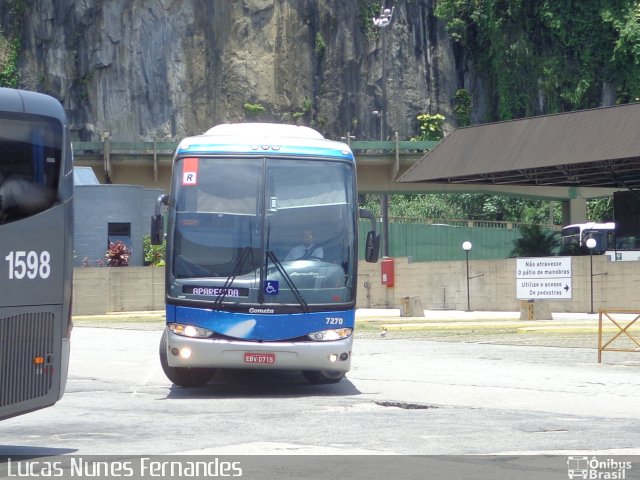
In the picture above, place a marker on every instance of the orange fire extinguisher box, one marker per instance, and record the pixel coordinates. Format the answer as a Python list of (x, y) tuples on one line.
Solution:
[(387, 272)]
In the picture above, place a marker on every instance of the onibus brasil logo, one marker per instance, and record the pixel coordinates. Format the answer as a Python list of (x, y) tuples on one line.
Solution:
[(597, 469)]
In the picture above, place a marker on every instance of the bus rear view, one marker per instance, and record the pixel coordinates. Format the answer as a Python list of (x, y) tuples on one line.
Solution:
[(261, 254), (36, 251)]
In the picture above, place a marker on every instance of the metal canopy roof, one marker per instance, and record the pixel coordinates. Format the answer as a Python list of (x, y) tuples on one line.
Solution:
[(591, 148)]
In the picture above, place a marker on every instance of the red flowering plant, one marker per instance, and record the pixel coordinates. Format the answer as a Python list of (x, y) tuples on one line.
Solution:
[(117, 254)]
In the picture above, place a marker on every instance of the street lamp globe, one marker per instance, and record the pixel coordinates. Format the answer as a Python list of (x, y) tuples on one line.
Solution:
[(591, 243), (466, 246)]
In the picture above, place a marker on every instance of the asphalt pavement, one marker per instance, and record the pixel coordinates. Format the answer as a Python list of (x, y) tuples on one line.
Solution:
[(570, 330)]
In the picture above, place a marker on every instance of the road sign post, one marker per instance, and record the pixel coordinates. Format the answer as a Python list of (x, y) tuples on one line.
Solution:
[(542, 279)]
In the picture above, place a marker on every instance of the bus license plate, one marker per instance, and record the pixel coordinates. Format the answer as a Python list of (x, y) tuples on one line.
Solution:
[(260, 358)]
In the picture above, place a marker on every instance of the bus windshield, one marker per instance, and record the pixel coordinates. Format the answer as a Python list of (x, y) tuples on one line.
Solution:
[(286, 223), (30, 164)]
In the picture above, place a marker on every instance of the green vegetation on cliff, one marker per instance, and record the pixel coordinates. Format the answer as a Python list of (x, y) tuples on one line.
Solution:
[(9, 74), (549, 56)]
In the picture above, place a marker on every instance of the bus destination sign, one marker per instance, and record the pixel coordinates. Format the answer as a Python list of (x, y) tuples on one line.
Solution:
[(215, 291)]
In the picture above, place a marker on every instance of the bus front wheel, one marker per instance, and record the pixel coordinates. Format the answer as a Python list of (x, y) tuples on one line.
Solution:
[(322, 377), (183, 377)]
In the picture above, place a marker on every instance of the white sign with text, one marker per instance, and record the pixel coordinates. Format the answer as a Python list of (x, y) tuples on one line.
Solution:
[(543, 278)]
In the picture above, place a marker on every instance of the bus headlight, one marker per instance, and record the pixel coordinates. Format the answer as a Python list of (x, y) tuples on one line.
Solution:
[(329, 335), (189, 331)]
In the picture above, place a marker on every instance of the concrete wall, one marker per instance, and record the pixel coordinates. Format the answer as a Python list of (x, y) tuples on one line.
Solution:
[(492, 285), (437, 285), (124, 289)]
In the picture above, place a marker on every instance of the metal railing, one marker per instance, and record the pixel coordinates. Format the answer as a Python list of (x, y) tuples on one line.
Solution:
[(127, 148), (624, 329), (447, 222), (168, 147)]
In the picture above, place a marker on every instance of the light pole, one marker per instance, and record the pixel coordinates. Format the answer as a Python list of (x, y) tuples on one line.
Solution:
[(384, 198), (383, 21), (386, 14), (348, 138), (591, 244), (466, 246)]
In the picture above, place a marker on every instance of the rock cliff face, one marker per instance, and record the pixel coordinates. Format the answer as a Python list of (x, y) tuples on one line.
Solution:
[(144, 69)]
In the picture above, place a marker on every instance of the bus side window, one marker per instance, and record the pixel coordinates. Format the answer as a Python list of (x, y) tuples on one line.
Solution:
[(29, 167)]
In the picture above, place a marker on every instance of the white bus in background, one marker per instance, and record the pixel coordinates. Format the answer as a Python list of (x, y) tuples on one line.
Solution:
[(617, 248)]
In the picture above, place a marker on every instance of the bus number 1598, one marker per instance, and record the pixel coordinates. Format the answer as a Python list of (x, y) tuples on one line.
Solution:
[(30, 264)]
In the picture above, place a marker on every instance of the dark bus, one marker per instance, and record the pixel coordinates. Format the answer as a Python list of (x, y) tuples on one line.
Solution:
[(36, 251)]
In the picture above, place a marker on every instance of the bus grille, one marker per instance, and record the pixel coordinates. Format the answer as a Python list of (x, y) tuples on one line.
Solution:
[(26, 351)]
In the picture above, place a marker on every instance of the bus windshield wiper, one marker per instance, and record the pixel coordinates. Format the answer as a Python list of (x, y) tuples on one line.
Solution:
[(217, 303), (287, 278)]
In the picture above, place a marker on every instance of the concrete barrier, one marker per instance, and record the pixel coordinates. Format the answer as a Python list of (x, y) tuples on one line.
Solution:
[(435, 285), (535, 310), (411, 307), (100, 290)]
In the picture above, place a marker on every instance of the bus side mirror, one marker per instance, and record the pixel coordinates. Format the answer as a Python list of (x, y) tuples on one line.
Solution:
[(157, 221), (372, 247), (157, 230)]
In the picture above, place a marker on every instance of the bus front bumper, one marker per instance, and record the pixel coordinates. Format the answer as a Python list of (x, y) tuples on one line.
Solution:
[(214, 353)]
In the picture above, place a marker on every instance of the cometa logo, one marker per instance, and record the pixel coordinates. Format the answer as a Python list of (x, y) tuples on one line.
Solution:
[(261, 310)]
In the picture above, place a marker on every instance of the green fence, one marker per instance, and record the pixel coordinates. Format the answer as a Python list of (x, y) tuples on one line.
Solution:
[(425, 243)]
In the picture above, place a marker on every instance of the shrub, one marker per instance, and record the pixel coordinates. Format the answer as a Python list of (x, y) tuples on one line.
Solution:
[(117, 254), (254, 108), (154, 254)]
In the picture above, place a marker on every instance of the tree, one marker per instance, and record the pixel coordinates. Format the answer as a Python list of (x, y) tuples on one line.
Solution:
[(535, 242), (547, 56), (462, 108), (9, 73), (430, 127)]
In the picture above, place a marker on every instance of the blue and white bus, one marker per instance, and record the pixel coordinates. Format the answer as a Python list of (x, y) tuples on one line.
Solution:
[(262, 253), (36, 251)]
